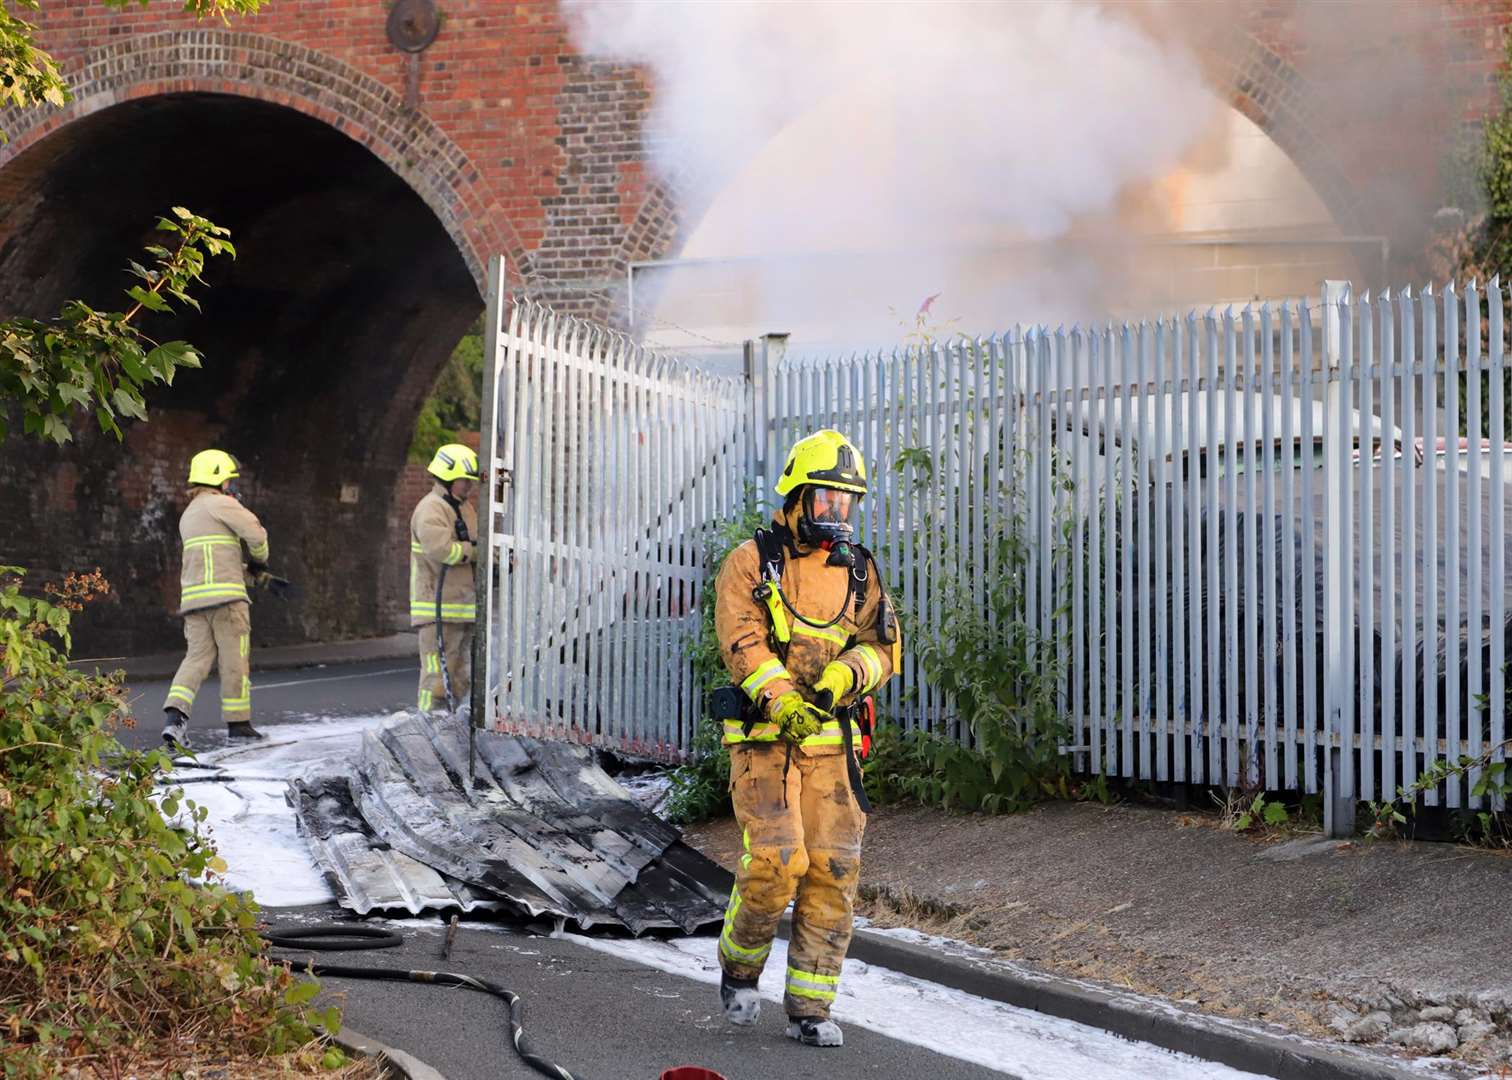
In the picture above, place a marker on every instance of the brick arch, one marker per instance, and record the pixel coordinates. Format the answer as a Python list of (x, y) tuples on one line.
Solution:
[(1260, 83), (254, 66)]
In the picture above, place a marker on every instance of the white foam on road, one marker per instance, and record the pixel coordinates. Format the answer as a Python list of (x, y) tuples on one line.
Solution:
[(254, 831), (1016, 1041), (253, 827)]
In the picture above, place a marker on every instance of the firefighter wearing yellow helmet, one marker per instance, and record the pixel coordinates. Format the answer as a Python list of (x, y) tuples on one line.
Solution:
[(808, 634), (442, 598), (213, 596)]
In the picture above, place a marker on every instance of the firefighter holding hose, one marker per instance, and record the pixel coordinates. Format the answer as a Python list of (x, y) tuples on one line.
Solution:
[(808, 634)]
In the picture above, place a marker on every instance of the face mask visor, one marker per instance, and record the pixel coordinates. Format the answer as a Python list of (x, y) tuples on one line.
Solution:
[(827, 515)]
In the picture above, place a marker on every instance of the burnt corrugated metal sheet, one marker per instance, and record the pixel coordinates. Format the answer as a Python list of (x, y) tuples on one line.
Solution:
[(541, 830)]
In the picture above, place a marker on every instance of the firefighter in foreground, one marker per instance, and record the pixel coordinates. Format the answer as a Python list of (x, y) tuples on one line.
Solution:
[(807, 633), (213, 597), (443, 550)]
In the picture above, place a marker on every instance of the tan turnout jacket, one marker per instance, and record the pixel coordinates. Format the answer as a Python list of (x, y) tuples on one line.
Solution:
[(433, 545), (213, 528), (765, 669)]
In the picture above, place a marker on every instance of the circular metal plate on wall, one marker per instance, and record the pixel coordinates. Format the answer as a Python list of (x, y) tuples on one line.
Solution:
[(413, 24)]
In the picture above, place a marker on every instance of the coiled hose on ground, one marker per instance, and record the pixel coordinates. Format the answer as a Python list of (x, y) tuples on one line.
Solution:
[(337, 938)]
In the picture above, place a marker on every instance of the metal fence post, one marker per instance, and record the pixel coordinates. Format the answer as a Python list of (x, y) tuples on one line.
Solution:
[(1338, 777), (481, 709), (761, 359)]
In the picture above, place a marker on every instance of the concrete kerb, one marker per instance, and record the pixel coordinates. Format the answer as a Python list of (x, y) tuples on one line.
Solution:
[(397, 1064), (1240, 1046)]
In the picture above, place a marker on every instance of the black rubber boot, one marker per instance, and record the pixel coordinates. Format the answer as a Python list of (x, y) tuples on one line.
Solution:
[(175, 729), (742, 1002), (242, 729), (811, 1031)]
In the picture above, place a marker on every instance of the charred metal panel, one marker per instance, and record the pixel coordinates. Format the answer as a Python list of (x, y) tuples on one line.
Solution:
[(540, 830)]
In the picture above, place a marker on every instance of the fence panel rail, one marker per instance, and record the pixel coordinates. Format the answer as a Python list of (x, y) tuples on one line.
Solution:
[(1262, 547)]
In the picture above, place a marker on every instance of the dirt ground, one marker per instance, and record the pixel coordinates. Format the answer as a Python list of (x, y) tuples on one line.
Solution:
[(1284, 927)]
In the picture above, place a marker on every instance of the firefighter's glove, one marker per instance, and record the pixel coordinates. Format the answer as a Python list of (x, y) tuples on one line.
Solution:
[(796, 718), (834, 683)]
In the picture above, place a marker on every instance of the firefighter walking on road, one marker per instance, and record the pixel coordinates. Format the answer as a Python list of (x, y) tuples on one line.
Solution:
[(213, 597), (443, 550), (807, 633)]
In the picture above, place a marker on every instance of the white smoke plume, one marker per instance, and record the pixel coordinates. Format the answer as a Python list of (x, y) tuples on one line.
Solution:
[(930, 131)]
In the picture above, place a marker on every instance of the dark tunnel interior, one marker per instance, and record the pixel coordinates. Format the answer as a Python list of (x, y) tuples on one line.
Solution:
[(320, 339)]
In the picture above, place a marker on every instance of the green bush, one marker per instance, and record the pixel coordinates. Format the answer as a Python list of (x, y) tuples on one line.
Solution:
[(114, 931), (454, 406), (701, 788)]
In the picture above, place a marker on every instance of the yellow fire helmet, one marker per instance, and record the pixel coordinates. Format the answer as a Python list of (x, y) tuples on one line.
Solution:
[(454, 462), (212, 468), (826, 459)]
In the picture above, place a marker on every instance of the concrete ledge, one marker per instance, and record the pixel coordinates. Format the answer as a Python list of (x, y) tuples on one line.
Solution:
[(398, 1064), (398, 646), (1151, 1020)]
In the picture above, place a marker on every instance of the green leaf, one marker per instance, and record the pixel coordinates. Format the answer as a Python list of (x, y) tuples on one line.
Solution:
[(1275, 814), (301, 992)]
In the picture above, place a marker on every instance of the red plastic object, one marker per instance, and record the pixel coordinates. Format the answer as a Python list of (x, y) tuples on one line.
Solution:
[(691, 1072)]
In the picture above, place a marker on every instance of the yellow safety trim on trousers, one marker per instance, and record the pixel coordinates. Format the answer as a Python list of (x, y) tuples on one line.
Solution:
[(768, 672), (873, 664), (453, 553), (259, 552), (739, 953), (245, 643), (734, 731), (838, 637), (432, 663), (183, 693), (811, 985), (745, 860), (778, 614), (425, 701), (448, 611)]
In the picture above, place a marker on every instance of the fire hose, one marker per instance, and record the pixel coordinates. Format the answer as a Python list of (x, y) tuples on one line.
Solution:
[(336, 938)]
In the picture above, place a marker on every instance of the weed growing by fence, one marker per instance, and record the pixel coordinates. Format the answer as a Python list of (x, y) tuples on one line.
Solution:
[(1485, 828), (114, 936), (701, 788)]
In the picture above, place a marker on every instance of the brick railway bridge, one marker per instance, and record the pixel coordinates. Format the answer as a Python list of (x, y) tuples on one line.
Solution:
[(365, 188)]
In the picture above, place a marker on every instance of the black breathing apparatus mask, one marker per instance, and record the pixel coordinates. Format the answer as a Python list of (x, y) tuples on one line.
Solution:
[(825, 521)]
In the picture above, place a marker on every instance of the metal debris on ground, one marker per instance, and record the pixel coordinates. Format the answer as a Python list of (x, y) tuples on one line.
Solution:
[(542, 830)]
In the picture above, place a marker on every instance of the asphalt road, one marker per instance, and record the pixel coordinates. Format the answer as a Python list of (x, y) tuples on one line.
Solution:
[(279, 697), (597, 1015)]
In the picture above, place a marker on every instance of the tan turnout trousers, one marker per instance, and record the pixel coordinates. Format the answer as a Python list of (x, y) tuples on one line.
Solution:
[(800, 832), (459, 642), (220, 635)]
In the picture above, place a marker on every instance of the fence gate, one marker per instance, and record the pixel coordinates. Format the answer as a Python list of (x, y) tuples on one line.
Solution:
[(606, 463)]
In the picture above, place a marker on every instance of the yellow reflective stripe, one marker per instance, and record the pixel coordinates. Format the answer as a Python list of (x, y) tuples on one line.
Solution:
[(734, 731), (838, 637), (829, 735), (416, 548), (207, 556), (466, 611), (201, 592), (810, 985), (453, 553), (766, 673), (205, 541), (739, 953), (246, 644), (259, 551), (432, 663), (873, 664), (183, 693), (425, 700), (745, 860)]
